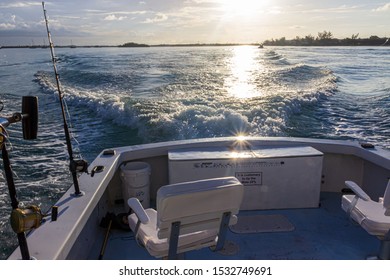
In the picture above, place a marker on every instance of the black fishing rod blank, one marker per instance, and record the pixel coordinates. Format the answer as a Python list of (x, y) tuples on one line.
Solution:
[(75, 165)]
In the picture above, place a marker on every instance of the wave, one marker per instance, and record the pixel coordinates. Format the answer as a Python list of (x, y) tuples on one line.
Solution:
[(272, 55), (106, 104), (186, 109)]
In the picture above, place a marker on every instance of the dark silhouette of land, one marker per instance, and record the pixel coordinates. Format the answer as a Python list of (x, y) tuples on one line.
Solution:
[(324, 38), (133, 45)]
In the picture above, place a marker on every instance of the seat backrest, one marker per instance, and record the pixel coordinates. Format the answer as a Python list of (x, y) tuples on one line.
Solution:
[(198, 205), (386, 199)]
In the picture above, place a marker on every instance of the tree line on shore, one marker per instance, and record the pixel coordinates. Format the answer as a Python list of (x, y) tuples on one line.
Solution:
[(326, 38)]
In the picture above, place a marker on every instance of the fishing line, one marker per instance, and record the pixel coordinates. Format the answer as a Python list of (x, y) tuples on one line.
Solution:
[(5, 135), (71, 126), (6, 139)]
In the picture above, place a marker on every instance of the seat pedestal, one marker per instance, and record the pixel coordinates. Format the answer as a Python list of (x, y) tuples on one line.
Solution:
[(384, 251)]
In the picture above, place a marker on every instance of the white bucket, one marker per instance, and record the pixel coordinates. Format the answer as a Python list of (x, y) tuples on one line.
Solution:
[(136, 182)]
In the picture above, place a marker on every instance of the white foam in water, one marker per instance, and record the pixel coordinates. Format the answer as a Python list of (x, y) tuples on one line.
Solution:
[(165, 97)]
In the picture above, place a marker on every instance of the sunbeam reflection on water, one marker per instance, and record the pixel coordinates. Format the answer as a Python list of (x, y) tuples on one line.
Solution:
[(243, 66)]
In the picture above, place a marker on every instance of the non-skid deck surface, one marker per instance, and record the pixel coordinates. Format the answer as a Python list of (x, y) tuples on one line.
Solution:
[(262, 223), (323, 233)]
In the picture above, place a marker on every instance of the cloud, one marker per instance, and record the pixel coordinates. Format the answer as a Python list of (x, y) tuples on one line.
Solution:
[(342, 9), (113, 17), (10, 22), (383, 8), (296, 27), (19, 5), (159, 17), (7, 26), (275, 10)]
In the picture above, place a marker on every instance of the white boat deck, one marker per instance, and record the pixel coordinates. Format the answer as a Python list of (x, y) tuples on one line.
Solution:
[(324, 233)]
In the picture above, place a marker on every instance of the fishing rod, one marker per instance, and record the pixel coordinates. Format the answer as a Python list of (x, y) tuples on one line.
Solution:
[(75, 165), (30, 217)]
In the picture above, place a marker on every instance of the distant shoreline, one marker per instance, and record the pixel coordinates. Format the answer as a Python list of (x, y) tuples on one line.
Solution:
[(131, 46), (190, 45), (378, 42), (324, 39)]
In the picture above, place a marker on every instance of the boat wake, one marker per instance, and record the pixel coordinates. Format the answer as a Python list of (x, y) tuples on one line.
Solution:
[(182, 103)]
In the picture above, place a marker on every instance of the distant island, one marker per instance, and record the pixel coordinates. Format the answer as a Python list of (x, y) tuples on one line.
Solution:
[(326, 39), (133, 45)]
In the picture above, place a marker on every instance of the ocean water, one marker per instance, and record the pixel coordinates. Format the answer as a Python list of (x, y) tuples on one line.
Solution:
[(125, 96)]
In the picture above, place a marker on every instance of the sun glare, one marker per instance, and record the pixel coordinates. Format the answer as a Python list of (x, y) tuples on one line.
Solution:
[(243, 65), (246, 8)]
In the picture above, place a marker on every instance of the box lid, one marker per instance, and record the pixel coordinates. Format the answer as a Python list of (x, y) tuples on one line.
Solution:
[(255, 153)]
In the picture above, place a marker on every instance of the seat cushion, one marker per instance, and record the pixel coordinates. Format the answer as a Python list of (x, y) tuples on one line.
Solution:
[(147, 236), (198, 205), (369, 214)]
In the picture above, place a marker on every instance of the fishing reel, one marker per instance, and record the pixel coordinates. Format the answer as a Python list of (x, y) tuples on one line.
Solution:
[(31, 217), (80, 166), (23, 220)]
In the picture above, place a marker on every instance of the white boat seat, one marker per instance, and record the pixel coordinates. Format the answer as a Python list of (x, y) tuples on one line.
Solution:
[(373, 216), (189, 216)]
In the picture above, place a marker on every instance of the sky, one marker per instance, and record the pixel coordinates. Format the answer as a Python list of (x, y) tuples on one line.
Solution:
[(104, 22)]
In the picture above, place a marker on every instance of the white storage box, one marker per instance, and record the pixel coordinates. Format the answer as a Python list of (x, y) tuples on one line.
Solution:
[(273, 177)]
